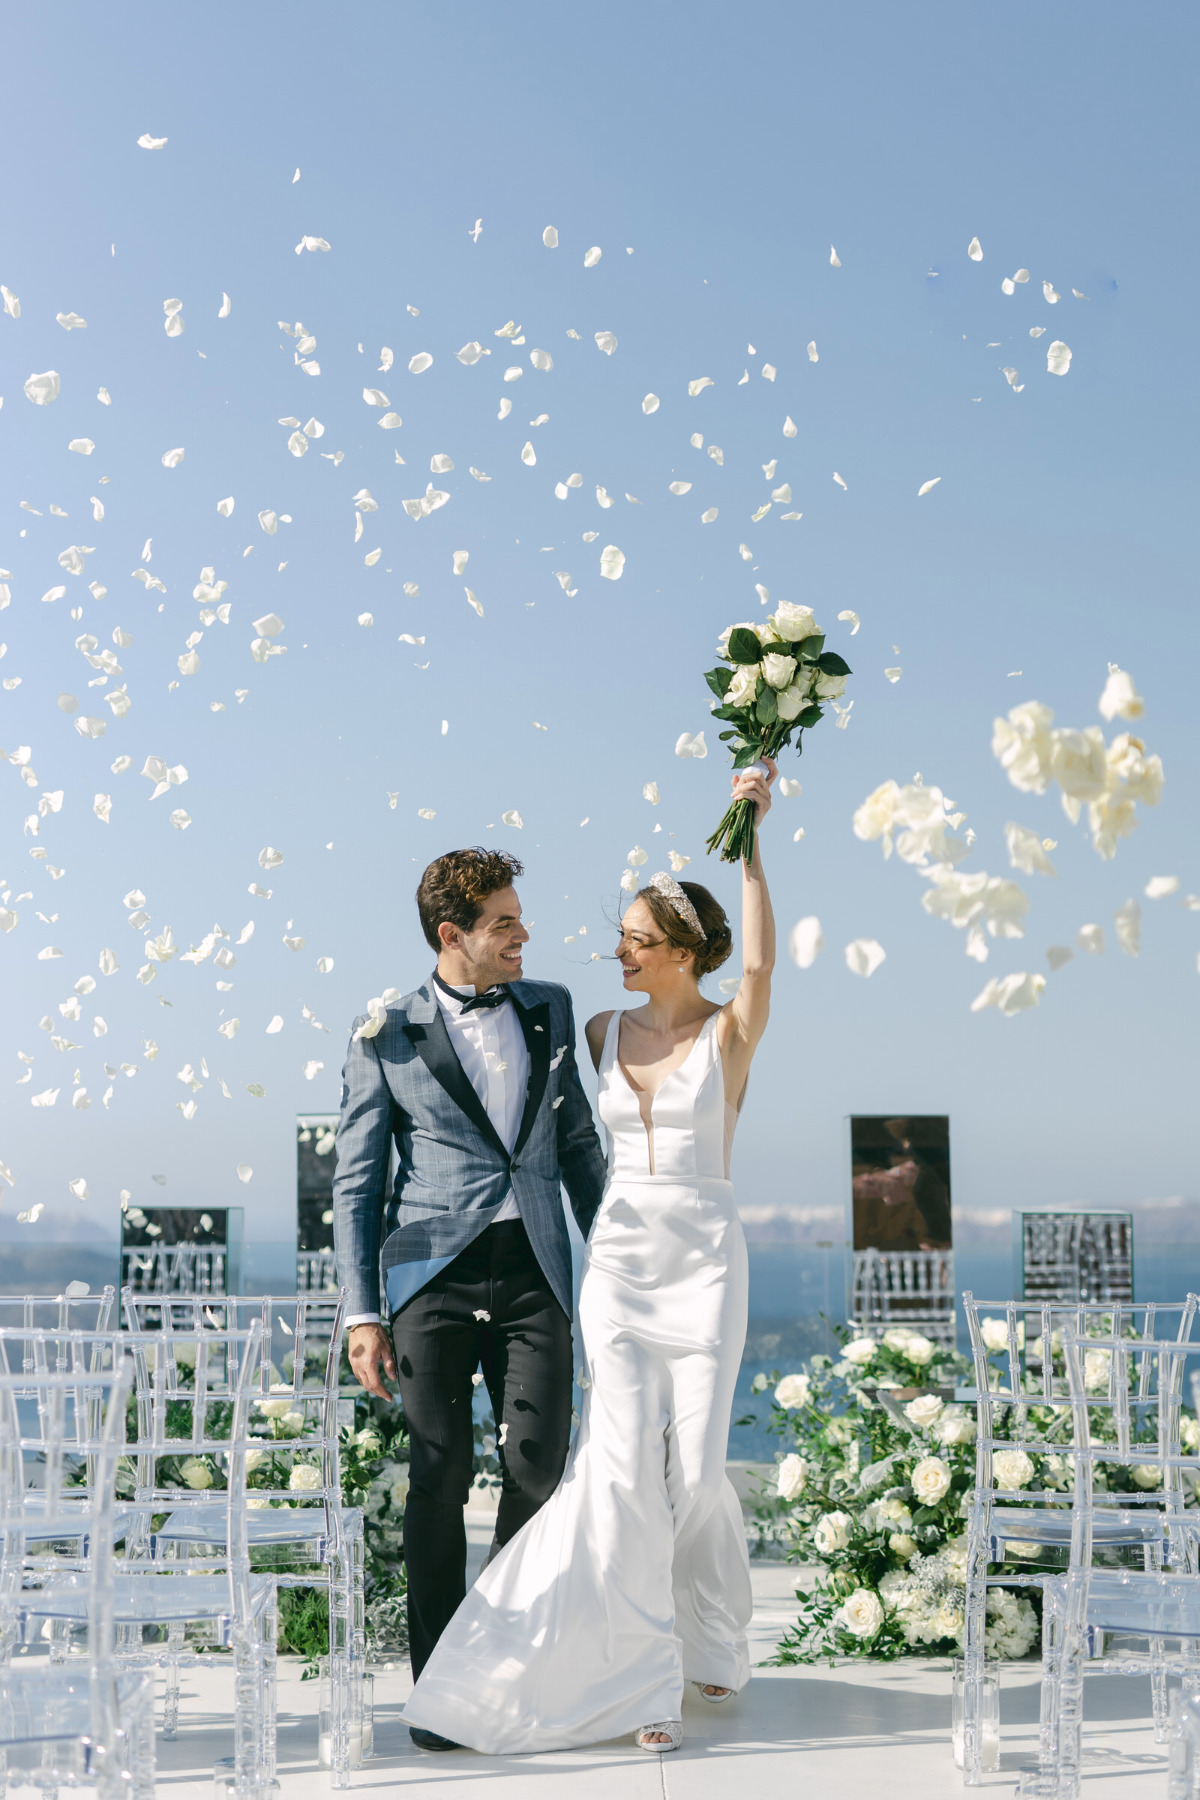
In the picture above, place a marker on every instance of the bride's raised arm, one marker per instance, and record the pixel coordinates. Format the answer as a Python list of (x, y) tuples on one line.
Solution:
[(746, 1016)]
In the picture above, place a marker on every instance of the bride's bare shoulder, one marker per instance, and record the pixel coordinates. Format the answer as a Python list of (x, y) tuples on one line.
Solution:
[(595, 1031)]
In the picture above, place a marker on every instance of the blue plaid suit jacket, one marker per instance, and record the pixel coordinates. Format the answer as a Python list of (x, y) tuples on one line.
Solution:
[(406, 1086)]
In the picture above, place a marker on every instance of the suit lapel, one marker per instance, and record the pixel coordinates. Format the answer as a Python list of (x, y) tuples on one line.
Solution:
[(426, 1031), (535, 1024)]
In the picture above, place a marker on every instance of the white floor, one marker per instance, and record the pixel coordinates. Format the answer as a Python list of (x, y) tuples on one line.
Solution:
[(876, 1730)]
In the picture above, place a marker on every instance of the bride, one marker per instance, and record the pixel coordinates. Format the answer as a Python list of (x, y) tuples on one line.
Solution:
[(633, 1578)]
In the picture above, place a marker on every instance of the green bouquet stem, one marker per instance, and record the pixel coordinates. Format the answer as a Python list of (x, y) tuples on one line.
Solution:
[(734, 836)]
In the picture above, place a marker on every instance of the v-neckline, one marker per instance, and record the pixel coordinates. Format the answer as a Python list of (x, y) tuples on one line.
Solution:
[(677, 1070)]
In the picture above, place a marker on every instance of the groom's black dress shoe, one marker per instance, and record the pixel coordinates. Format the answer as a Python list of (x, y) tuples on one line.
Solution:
[(429, 1740)]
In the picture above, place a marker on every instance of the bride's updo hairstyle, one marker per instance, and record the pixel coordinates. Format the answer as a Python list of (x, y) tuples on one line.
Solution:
[(712, 944)]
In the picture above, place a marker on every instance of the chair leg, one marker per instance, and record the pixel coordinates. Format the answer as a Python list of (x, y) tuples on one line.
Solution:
[(973, 1661), (248, 1715), (340, 1696), (175, 1641)]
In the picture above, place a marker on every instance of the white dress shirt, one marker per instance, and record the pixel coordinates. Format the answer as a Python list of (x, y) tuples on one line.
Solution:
[(491, 1047)]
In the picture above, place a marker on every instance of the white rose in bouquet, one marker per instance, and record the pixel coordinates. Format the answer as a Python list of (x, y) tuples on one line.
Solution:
[(196, 1472), (1012, 1469), (902, 1545), (994, 1333), (794, 623), (956, 1426), (833, 1532), (793, 1391), (862, 1613), (930, 1479), (793, 1474), (778, 670), (860, 1350), (742, 625), (791, 703), (743, 685), (830, 687), (919, 1350), (924, 1410)]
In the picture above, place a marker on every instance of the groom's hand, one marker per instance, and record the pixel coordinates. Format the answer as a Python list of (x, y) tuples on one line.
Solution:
[(371, 1345)]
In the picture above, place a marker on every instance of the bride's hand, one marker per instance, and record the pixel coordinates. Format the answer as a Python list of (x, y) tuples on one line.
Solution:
[(748, 784)]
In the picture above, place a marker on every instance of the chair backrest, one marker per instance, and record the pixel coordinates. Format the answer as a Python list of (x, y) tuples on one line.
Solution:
[(296, 1386), (1023, 1394), (51, 1423), (70, 1311)]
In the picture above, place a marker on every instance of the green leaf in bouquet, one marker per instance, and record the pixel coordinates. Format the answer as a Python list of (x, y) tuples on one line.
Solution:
[(719, 680), (812, 647), (766, 708), (809, 716), (747, 756), (744, 646), (726, 735), (831, 663), (738, 714)]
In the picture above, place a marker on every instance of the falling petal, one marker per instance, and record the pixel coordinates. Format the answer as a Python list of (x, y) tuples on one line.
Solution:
[(698, 387), (864, 956), (226, 307), (927, 485), (835, 261), (42, 389), (173, 458), (1011, 994), (146, 142), (853, 618), (550, 238), (592, 257), (975, 250), (612, 562), (375, 397), (225, 507), (513, 819), (1128, 922), (789, 426), (1058, 358), (651, 403), (681, 487), (687, 745), (542, 359), (419, 363), (812, 352), (471, 353), (893, 675), (807, 942), (839, 480), (1052, 299)]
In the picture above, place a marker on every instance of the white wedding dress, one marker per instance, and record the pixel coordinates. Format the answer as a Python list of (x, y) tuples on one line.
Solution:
[(634, 1576)]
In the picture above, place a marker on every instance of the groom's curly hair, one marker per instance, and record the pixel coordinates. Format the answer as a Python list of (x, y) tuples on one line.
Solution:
[(454, 888)]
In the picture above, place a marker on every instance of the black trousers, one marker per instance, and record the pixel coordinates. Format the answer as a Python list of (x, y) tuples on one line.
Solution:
[(491, 1308)]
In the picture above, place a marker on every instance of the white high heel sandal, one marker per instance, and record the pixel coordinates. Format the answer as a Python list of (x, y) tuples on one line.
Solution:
[(713, 1699), (673, 1729)]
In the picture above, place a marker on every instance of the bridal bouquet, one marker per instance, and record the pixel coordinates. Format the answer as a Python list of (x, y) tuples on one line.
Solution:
[(771, 681)]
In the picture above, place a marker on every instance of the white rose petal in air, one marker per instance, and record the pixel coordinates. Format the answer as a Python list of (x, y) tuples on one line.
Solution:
[(297, 443), (975, 250), (651, 403), (542, 359), (698, 387), (708, 516), (650, 792), (71, 321), (1159, 886), (1058, 956), (513, 819), (864, 956), (592, 257), (687, 745), (311, 1069), (1090, 938), (806, 941), (226, 307), (1128, 922), (324, 965), (812, 352), (1058, 357), (311, 243), (270, 858), (681, 487), (42, 389), (1011, 994), (1026, 852), (1120, 699), (612, 563), (854, 619), (927, 485), (375, 397), (225, 507), (606, 341), (173, 458), (84, 446), (12, 305), (893, 675), (146, 142), (1051, 298), (90, 728), (470, 353), (550, 238), (420, 362)]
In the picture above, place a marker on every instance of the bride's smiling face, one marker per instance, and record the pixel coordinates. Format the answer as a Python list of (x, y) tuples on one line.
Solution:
[(648, 959)]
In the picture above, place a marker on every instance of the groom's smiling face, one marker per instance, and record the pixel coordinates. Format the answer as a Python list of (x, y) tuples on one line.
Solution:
[(491, 951)]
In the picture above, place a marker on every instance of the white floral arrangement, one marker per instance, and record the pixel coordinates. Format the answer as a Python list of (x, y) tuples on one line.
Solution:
[(880, 1508)]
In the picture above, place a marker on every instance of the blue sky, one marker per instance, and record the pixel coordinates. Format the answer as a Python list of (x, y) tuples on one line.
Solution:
[(729, 151)]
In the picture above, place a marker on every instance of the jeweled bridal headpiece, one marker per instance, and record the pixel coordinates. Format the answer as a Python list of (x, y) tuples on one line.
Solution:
[(677, 900)]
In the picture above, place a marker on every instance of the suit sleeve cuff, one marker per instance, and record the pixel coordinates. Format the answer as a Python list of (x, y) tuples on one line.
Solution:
[(363, 1319)]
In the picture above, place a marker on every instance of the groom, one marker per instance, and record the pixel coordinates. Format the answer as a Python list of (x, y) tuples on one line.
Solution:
[(472, 1076)]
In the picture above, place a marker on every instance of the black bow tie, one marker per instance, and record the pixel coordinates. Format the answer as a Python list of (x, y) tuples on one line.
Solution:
[(494, 996)]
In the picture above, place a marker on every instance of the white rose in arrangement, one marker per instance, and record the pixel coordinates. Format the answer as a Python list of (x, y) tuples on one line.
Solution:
[(1012, 1469), (1189, 1433), (833, 1532), (742, 625), (994, 1333), (185, 1355), (902, 1545), (830, 687), (778, 670), (792, 702), (196, 1472), (793, 1474), (255, 1459), (956, 1426), (276, 1409), (369, 1443), (1097, 1366), (919, 1350), (793, 1391), (398, 1487), (862, 1613), (860, 1350), (930, 1479), (794, 623), (1146, 1475), (744, 684), (304, 1478), (924, 1410), (839, 1431)]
